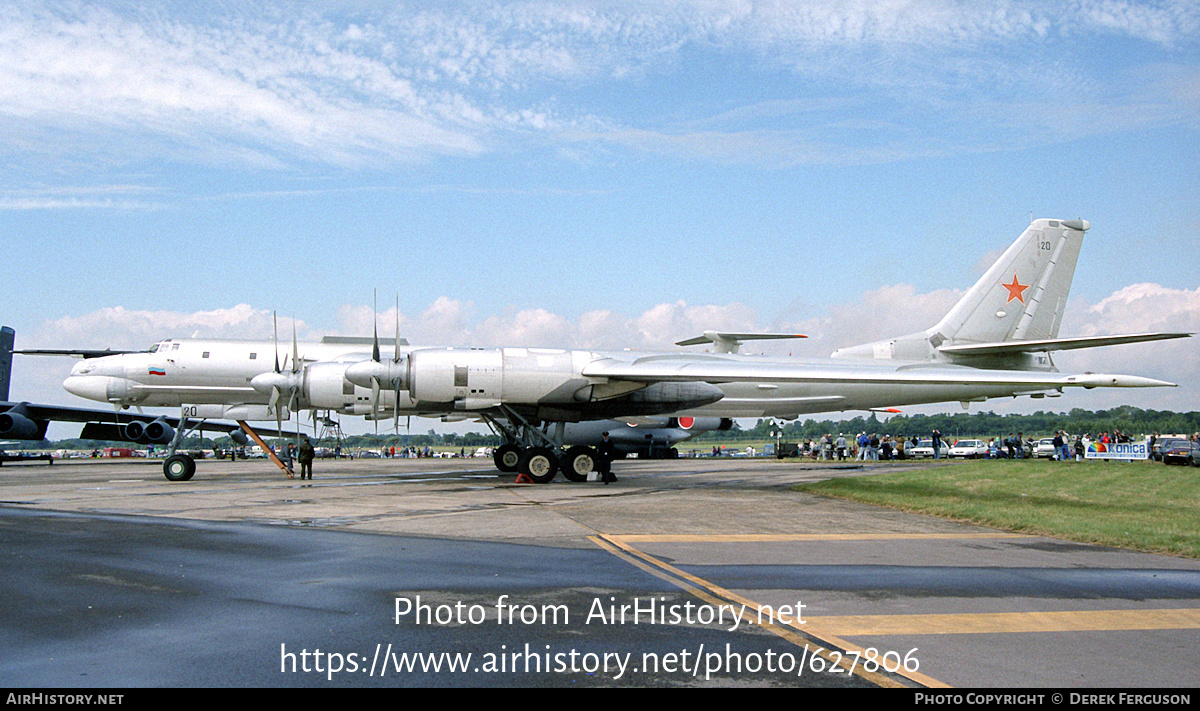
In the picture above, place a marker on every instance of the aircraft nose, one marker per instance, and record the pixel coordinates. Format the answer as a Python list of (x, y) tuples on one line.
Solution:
[(89, 387)]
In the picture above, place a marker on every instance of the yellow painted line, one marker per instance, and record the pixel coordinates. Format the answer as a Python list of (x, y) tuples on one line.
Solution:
[(1008, 622), (830, 630), (801, 537), (716, 595)]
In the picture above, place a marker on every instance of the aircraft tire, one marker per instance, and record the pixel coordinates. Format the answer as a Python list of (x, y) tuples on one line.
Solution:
[(578, 462), (179, 467), (507, 458), (540, 464)]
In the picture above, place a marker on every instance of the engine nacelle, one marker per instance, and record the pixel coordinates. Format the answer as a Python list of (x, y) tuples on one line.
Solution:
[(464, 376), (156, 432), (326, 388), (15, 423), (551, 380), (660, 398), (239, 438), (134, 431), (159, 431)]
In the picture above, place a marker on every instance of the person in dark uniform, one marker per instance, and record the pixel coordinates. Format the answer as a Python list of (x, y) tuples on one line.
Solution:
[(307, 453), (605, 453)]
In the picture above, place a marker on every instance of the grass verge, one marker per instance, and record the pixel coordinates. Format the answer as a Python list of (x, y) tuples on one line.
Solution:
[(1141, 505)]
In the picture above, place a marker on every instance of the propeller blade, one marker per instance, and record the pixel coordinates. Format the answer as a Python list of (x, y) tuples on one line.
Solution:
[(396, 381), (375, 326), (396, 344), (375, 402), (295, 349)]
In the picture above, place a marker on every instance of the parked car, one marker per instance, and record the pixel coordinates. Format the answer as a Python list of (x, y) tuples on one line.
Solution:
[(924, 450), (969, 449), (1181, 451), (1045, 448), (1162, 443)]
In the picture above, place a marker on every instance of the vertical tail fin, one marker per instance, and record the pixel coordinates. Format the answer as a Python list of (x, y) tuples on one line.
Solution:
[(1023, 295), (7, 335)]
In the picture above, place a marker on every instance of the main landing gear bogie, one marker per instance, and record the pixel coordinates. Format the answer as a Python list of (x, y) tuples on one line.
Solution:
[(542, 463)]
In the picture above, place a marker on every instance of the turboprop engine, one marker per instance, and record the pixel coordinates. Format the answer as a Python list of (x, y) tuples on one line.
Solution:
[(551, 380)]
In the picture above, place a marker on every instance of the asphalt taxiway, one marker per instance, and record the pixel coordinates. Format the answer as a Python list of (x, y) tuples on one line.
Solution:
[(687, 572)]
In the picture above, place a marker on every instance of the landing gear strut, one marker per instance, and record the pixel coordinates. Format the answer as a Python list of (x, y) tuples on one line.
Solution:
[(181, 467), (537, 452)]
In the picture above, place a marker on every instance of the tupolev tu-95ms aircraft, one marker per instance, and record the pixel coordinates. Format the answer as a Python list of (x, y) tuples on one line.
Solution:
[(995, 342)]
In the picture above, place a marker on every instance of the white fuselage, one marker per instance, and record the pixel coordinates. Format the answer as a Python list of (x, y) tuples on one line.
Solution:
[(460, 380)]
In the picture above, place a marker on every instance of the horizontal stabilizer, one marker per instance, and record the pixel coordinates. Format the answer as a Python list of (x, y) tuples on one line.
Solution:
[(730, 342), (1055, 344), (75, 352)]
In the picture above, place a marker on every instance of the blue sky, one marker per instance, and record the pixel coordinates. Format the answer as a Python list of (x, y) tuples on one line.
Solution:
[(591, 175)]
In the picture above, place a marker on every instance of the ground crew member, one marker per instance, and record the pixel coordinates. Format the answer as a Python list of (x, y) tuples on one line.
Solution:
[(605, 453), (307, 454)]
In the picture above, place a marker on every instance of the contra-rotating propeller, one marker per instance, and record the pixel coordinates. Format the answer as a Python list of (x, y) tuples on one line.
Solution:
[(278, 382), (375, 372)]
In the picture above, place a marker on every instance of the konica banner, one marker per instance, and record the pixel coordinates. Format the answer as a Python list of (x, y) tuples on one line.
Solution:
[(1127, 450)]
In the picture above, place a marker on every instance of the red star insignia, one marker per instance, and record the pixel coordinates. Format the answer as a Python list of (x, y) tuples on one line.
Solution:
[(1015, 290)]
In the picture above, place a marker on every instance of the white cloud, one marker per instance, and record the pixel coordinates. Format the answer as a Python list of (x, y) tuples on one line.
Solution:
[(890, 310), (246, 89), (1140, 308), (131, 329), (262, 87)]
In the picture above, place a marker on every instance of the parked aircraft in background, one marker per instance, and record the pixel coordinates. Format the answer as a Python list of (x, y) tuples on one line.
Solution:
[(995, 342)]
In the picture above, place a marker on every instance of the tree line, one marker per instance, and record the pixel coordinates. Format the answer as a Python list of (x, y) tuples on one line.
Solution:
[(1127, 419), (1130, 420)]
